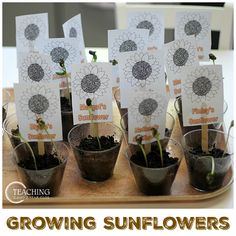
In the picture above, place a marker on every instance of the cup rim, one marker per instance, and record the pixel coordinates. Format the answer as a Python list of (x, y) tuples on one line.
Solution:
[(212, 130), (65, 159), (159, 168), (94, 152)]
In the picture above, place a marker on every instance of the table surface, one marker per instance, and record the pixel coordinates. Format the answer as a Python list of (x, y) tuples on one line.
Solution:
[(225, 58)]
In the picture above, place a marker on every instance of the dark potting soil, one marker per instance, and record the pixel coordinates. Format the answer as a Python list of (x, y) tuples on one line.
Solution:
[(65, 105), (91, 143), (4, 114), (215, 152), (46, 161), (153, 159)]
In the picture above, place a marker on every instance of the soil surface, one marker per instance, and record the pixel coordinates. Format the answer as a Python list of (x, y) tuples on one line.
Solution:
[(91, 143), (65, 105), (215, 152), (43, 162), (153, 159)]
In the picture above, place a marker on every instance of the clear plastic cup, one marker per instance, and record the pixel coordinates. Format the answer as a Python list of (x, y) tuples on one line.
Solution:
[(95, 165)]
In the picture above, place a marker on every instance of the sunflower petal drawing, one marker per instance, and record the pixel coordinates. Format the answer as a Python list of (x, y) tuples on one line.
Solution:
[(192, 23), (31, 29), (35, 67), (202, 84), (125, 41), (61, 49), (90, 81), (142, 69), (179, 54)]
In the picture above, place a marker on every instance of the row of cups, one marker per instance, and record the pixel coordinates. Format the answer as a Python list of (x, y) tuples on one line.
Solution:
[(99, 165)]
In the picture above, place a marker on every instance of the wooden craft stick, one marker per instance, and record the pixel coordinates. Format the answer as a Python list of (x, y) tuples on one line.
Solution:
[(205, 138), (41, 148)]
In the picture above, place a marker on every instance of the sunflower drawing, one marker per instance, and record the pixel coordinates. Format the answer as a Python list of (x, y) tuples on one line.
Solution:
[(181, 53), (149, 21), (202, 84), (38, 101), (193, 23), (146, 107), (127, 42), (91, 81), (73, 28), (35, 68), (31, 28), (141, 69), (61, 49)]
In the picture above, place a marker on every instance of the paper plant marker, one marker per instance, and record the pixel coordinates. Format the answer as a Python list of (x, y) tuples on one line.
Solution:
[(141, 69), (31, 29), (151, 21)]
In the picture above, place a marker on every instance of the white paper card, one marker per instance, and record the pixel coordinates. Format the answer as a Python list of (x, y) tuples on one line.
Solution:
[(178, 55), (39, 100), (202, 95), (35, 67), (154, 22), (30, 30), (92, 80), (146, 111), (61, 48), (73, 29), (199, 25), (141, 71), (121, 41)]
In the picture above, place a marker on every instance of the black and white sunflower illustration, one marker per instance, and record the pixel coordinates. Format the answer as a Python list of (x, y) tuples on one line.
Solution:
[(142, 69), (35, 68), (127, 42), (149, 21), (91, 81), (147, 108), (202, 84), (38, 101), (193, 23), (31, 28), (72, 29), (61, 49), (181, 53)]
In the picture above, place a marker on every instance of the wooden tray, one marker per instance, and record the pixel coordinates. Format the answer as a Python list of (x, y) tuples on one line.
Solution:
[(120, 189)]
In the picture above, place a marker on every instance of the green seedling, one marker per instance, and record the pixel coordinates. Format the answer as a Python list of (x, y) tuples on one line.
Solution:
[(64, 73), (93, 53), (94, 126), (227, 139), (113, 62), (156, 135), (139, 139), (18, 134), (42, 126), (212, 57), (210, 175)]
